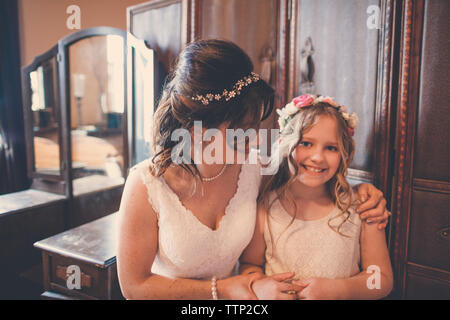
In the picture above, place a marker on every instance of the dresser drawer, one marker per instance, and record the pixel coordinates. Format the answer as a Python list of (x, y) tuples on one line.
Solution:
[(429, 236), (94, 281)]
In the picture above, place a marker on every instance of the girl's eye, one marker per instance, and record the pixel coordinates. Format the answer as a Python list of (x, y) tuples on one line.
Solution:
[(305, 144), (332, 148)]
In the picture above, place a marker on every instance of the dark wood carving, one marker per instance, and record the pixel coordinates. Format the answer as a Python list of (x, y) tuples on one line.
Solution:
[(405, 128)]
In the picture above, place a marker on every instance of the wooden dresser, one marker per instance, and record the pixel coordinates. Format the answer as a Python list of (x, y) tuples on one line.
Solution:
[(88, 251)]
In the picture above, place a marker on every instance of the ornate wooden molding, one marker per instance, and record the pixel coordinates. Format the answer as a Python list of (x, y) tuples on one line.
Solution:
[(429, 272), (412, 25), (285, 38), (383, 108), (195, 18), (431, 185), (292, 16)]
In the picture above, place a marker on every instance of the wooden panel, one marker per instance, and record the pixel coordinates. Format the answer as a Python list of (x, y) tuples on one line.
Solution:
[(18, 232), (345, 59), (251, 24), (429, 242), (259, 27), (91, 206), (163, 25), (432, 153), (426, 288)]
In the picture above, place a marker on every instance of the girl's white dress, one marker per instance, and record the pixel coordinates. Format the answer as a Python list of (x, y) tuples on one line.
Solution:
[(189, 249), (311, 249)]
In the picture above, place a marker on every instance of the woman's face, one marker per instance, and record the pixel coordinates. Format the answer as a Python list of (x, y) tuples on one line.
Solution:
[(317, 155)]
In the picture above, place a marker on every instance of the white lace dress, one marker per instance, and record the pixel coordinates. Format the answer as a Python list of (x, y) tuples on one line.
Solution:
[(189, 249), (311, 249)]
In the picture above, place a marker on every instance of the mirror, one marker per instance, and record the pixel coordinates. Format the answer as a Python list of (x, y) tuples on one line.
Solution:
[(143, 89), (97, 100), (45, 117)]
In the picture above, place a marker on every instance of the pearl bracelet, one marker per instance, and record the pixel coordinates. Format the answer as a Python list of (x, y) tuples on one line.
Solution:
[(214, 288)]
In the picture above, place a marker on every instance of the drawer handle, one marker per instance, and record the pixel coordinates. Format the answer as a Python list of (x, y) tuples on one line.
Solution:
[(61, 273), (444, 233)]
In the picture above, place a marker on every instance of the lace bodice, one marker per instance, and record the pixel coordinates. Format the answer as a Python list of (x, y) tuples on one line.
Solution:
[(311, 248), (189, 249)]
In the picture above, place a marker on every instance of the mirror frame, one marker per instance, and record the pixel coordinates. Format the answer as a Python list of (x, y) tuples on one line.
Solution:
[(53, 183), (64, 78), (62, 184)]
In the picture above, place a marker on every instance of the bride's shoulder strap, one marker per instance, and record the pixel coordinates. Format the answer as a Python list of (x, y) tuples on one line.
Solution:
[(151, 183)]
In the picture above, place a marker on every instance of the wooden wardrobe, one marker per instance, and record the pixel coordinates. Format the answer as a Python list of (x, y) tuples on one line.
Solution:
[(387, 60)]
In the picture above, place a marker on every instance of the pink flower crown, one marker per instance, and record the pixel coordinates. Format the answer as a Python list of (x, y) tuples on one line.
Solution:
[(287, 113)]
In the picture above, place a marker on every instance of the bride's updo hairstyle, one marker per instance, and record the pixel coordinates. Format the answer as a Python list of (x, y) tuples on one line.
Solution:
[(206, 68)]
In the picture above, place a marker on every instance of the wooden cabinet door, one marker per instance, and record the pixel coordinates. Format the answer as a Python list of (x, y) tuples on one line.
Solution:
[(421, 224)]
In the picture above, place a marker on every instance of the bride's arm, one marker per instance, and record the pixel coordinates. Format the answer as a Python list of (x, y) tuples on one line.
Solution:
[(252, 259), (137, 247)]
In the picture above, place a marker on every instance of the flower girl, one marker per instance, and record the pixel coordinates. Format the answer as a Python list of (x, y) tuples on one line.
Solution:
[(306, 223)]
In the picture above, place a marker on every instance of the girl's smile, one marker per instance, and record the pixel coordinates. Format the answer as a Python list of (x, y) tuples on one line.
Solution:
[(317, 154), (313, 170)]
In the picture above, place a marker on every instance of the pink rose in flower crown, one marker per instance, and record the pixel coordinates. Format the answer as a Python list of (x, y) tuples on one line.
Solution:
[(303, 101)]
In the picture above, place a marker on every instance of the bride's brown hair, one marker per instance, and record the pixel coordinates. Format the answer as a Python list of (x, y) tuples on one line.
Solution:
[(338, 187), (206, 67)]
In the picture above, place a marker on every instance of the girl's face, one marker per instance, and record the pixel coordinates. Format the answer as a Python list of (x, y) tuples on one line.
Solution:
[(317, 155)]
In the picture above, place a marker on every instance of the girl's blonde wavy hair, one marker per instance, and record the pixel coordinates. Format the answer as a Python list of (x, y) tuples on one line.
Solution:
[(338, 187)]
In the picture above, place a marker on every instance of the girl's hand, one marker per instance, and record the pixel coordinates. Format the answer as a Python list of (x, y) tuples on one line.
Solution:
[(373, 205), (320, 289), (238, 287), (273, 287)]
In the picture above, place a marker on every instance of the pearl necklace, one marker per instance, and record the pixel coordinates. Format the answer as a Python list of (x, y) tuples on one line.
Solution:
[(216, 176)]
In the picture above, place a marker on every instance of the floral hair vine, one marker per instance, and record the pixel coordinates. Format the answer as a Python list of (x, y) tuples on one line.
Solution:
[(226, 94), (308, 100)]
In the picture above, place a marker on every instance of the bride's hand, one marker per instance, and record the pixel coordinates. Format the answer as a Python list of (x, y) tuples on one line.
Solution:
[(373, 205), (273, 287), (238, 287)]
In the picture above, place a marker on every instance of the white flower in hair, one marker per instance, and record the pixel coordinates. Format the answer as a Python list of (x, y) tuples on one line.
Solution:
[(345, 115), (290, 108), (353, 120)]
